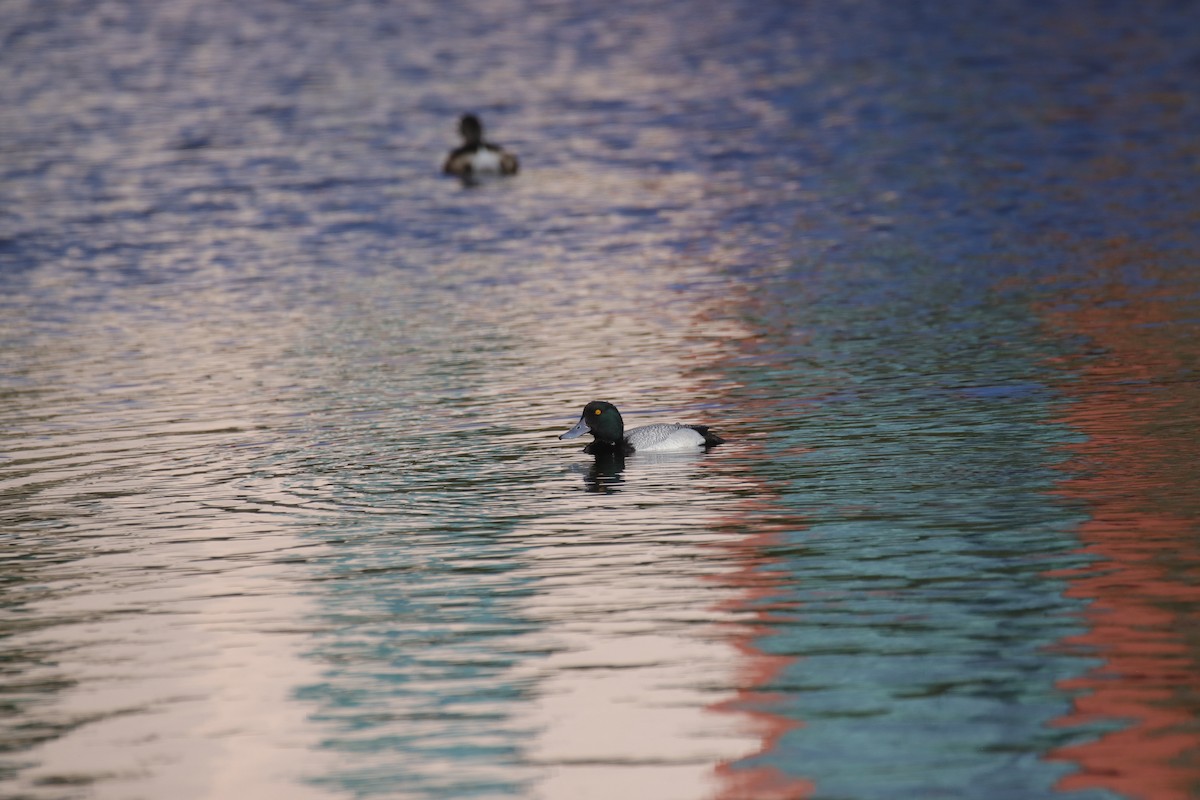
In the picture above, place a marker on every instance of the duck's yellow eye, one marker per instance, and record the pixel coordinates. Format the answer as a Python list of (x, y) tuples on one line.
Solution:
[(596, 412)]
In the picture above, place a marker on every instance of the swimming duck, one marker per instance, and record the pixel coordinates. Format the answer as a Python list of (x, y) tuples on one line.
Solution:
[(476, 156), (603, 421)]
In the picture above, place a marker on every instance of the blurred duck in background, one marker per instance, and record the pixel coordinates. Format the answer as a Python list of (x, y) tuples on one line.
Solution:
[(476, 157)]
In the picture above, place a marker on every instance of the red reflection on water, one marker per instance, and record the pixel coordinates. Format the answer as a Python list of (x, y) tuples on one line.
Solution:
[(1137, 474), (757, 669)]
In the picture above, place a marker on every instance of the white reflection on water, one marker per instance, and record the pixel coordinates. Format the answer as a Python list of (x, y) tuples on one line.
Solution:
[(189, 701), (158, 638), (632, 603)]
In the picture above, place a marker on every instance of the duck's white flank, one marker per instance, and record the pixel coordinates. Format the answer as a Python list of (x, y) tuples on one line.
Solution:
[(485, 160), (663, 438)]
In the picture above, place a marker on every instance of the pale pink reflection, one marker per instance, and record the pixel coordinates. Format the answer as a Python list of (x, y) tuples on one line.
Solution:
[(625, 704), (173, 653), (210, 716)]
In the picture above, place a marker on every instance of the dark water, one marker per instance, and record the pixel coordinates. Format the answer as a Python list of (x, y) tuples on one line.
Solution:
[(283, 511)]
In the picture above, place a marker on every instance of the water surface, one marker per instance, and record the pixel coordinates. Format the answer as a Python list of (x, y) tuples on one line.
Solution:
[(284, 512)]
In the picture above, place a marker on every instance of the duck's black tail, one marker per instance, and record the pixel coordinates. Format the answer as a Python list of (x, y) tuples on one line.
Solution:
[(710, 438)]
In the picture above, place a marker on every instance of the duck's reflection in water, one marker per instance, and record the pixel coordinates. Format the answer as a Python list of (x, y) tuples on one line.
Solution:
[(605, 475)]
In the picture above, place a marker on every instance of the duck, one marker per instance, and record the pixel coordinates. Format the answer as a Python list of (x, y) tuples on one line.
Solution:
[(476, 156), (603, 421)]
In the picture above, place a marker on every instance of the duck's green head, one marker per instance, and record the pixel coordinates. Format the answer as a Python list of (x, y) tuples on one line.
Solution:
[(471, 129), (601, 420)]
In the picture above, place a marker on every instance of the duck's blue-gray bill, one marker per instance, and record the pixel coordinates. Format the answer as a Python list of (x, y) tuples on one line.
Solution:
[(579, 430)]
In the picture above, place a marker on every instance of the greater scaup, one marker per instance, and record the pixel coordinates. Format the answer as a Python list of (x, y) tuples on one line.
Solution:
[(603, 421), (476, 156)]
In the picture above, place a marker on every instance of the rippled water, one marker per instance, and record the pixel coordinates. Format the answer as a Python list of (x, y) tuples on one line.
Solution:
[(284, 512)]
